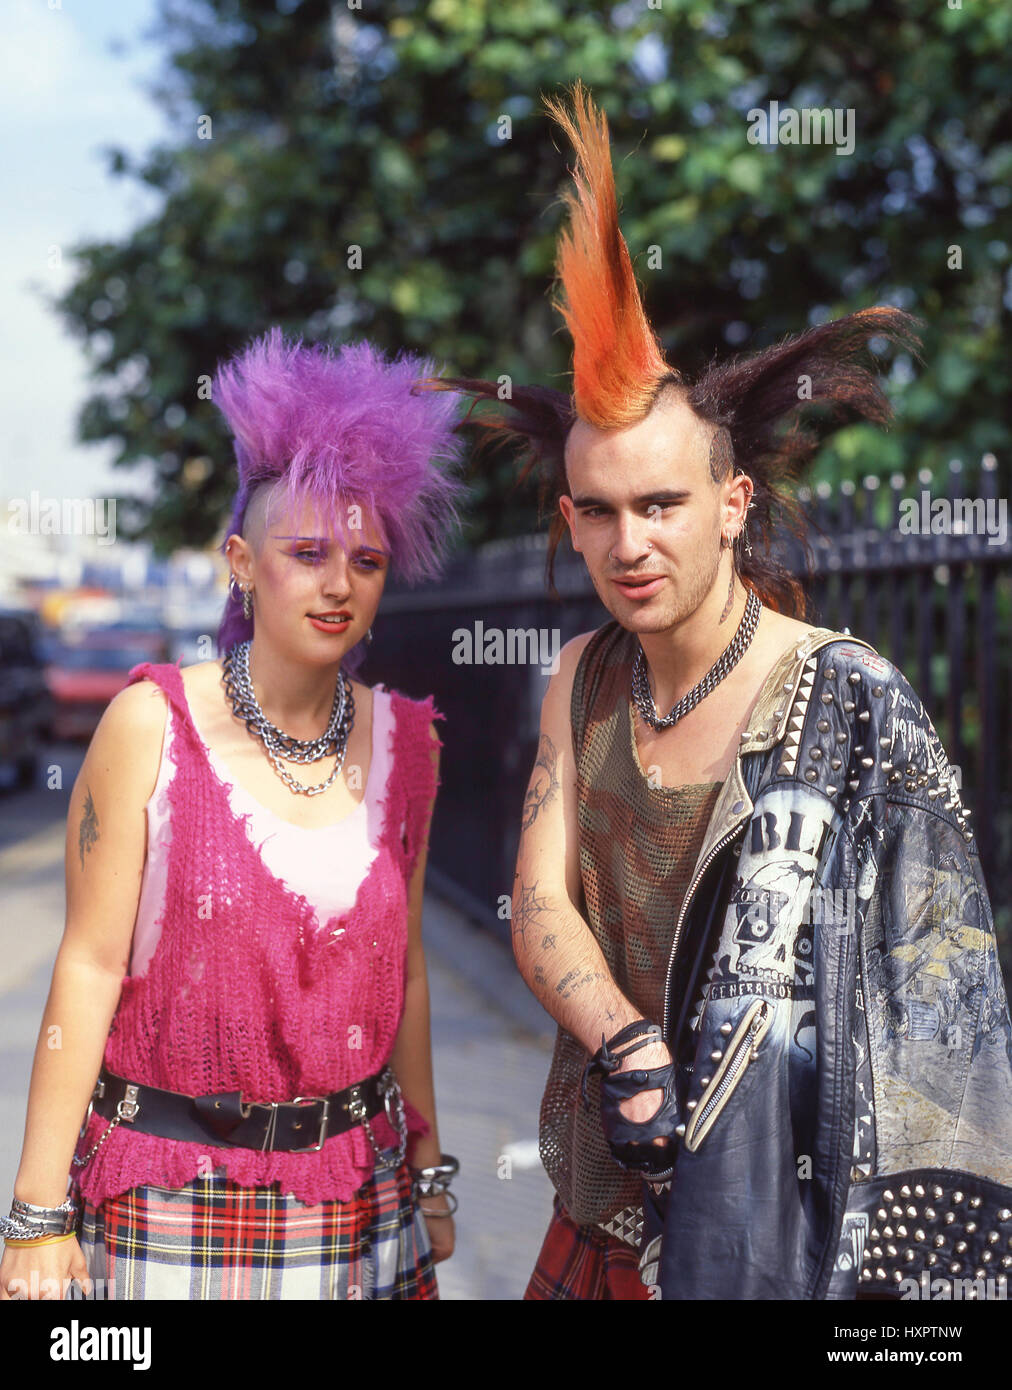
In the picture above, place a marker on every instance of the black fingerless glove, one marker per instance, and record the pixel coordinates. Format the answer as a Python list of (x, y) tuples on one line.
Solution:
[(631, 1141)]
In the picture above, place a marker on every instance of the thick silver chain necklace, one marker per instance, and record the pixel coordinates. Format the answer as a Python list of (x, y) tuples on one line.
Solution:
[(728, 658), (278, 744)]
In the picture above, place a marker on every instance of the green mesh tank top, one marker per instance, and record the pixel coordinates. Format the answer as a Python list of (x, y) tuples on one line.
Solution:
[(638, 845)]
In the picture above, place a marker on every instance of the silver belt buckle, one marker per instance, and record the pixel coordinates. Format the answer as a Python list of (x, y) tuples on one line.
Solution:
[(324, 1121)]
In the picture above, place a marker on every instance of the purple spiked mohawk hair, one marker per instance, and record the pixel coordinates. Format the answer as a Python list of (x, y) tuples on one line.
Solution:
[(342, 427)]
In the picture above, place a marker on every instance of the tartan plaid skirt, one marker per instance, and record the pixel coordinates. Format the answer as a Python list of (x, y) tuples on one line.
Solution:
[(215, 1239), (584, 1262)]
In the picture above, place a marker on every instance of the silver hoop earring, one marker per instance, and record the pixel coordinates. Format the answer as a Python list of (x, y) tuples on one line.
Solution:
[(244, 591), (368, 635)]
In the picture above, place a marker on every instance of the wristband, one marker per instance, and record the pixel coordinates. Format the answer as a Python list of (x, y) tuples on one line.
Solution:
[(39, 1240)]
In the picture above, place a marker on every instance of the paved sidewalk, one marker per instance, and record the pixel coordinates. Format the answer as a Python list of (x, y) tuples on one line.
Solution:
[(490, 1071), (491, 1048)]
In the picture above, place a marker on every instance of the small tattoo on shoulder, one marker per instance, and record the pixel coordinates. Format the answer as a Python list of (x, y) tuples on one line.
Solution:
[(88, 833)]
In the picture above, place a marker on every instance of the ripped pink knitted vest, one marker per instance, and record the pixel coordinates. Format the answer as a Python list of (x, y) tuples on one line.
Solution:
[(246, 990)]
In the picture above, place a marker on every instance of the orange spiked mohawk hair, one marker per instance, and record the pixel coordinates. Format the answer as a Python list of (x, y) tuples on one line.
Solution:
[(617, 360), (750, 400)]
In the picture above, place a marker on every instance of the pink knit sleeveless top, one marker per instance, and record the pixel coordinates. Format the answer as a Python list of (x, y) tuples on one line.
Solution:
[(246, 989), (326, 863)]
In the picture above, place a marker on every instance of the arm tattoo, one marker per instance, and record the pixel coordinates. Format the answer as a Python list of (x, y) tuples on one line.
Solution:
[(527, 910), (570, 983), (88, 833), (544, 782)]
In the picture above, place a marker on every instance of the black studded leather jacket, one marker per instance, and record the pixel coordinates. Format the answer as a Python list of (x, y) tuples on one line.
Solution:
[(848, 1110)]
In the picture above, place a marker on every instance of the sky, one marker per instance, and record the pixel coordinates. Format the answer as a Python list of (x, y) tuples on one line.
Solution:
[(72, 80)]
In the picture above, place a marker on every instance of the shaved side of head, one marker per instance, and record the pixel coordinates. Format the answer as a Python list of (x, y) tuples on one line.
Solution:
[(717, 438), (254, 526), (721, 454)]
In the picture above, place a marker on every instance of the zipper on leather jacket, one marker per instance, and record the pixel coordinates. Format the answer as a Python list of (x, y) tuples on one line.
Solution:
[(740, 1052), (697, 879), (681, 918)]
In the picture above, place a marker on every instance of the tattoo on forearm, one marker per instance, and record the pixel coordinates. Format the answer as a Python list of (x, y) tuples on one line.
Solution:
[(527, 910), (539, 976), (88, 834), (574, 980), (544, 781)]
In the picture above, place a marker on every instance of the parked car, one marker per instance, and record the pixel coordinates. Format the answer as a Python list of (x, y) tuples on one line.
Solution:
[(85, 670), (26, 707), (192, 645)]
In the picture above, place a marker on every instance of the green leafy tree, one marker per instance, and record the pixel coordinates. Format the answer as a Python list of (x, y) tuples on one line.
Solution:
[(415, 132)]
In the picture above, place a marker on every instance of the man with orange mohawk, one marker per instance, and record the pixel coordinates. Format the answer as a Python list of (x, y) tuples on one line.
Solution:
[(746, 888)]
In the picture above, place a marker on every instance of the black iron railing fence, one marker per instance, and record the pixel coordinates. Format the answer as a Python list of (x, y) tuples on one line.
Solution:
[(939, 606), (922, 572)]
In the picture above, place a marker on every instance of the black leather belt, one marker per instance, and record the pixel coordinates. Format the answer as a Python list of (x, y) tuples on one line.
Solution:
[(297, 1126)]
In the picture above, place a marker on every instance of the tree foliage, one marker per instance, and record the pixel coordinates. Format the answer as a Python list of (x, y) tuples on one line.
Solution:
[(414, 130)]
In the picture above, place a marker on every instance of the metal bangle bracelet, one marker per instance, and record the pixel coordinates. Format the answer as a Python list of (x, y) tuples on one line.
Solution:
[(14, 1228), (429, 1187), (448, 1167), (31, 1210), (27, 1221), (451, 1198)]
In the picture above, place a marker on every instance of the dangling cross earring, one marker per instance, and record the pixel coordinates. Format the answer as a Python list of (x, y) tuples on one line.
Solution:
[(744, 529)]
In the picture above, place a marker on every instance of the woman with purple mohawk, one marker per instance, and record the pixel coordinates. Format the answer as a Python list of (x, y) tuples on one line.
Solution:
[(242, 965)]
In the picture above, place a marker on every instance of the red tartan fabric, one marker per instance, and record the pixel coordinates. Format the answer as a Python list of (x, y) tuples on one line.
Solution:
[(213, 1239), (247, 989), (584, 1262)]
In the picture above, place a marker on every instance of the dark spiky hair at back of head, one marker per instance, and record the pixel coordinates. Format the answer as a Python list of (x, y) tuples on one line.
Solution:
[(759, 404)]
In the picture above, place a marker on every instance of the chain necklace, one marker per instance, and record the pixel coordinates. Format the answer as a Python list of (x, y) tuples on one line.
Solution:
[(278, 744), (729, 658)]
